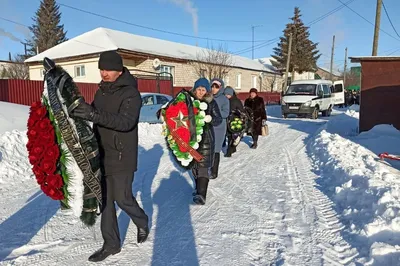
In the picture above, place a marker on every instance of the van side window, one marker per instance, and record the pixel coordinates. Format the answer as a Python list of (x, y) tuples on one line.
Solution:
[(327, 90), (338, 88), (320, 90)]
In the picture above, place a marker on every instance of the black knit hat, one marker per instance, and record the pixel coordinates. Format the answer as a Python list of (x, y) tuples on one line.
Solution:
[(110, 60)]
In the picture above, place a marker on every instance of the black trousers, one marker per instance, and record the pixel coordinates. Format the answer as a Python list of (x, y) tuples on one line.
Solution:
[(215, 167), (231, 148), (201, 176), (118, 188), (254, 136)]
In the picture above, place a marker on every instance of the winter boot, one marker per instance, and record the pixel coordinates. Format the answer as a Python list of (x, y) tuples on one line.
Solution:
[(215, 167), (230, 151), (254, 146), (142, 234), (201, 188), (103, 253)]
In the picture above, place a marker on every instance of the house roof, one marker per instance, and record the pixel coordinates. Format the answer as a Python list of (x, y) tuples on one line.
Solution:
[(103, 39), (267, 63), (334, 72), (358, 59)]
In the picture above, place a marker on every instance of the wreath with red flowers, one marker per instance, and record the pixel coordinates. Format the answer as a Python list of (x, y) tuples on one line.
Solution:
[(183, 126), (44, 153)]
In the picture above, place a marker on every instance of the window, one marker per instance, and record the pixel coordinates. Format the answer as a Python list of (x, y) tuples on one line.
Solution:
[(161, 99), (239, 81), (203, 73), (168, 69), (302, 89), (327, 91), (338, 88), (254, 81), (147, 100), (226, 79), (80, 71)]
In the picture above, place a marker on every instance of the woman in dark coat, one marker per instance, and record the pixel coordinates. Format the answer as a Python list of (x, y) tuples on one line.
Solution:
[(256, 104), (235, 104), (201, 170)]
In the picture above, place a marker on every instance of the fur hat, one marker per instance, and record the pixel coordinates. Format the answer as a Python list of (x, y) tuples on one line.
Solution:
[(253, 90), (202, 82)]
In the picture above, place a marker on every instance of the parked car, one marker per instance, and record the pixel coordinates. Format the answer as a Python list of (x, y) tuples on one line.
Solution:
[(308, 98), (151, 103)]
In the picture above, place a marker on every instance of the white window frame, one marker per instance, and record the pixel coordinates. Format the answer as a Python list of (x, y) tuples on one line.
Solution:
[(168, 69), (203, 72), (80, 67), (226, 79), (239, 81), (254, 81)]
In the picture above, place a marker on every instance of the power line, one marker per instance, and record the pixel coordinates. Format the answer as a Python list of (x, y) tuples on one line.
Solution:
[(23, 25), (153, 29), (358, 14), (269, 42), (391, 23)]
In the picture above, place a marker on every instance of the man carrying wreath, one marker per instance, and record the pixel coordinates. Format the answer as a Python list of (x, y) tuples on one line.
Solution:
[(115, 113)]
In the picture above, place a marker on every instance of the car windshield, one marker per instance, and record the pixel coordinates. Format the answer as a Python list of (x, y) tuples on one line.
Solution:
[(301, 89)]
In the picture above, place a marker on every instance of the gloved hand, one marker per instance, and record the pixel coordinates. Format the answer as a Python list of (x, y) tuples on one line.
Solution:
[(207, 118), (84, 111)]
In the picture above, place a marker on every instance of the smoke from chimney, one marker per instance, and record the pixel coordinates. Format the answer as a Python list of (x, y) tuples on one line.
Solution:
[(188, 6), (9, 35)]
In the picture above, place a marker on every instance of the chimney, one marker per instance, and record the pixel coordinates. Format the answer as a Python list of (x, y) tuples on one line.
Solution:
[(9, 56)]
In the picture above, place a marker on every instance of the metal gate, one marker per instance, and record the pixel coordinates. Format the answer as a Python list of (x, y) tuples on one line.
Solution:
[(154, 82)]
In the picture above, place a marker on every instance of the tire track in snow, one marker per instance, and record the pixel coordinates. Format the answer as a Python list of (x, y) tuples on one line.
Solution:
[(326, 232)]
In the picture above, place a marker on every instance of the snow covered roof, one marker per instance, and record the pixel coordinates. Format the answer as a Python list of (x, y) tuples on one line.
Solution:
[(103, 39), (334, 72), (267, 62), (358, 59)]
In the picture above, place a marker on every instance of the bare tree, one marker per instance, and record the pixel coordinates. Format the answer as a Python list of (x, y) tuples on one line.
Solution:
[(16, 69), (213, 63), (352, 79)]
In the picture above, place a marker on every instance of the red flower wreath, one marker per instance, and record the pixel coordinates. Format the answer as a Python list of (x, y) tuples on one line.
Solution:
[(44, 152)]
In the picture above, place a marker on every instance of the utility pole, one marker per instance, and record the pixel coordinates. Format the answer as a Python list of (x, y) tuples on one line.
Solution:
[(345, 66), (287, 63), (377, 27), (252, 40), (332, 54)]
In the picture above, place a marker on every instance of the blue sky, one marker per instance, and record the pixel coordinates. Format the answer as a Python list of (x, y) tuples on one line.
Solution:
[(222, 19)]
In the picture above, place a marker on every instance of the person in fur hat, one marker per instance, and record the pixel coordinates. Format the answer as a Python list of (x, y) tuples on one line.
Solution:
[(201, 170), (256, 103)]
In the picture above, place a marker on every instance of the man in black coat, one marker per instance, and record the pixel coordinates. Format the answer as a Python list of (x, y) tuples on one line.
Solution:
[(115, 113)]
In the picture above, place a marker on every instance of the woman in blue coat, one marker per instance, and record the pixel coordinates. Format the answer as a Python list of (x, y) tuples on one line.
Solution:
[(217, 86)]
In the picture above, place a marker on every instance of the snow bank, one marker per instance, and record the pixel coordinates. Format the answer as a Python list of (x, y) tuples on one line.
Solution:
[(366, 191), (13, 116), (14, 163)]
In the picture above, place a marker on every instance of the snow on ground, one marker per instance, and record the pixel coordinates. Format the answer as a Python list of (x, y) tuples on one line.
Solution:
[(270, 206), (13, 117), (366, 192)]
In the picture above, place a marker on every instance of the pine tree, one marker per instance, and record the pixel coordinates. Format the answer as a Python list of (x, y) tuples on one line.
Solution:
[(47, 31), (304, 55)]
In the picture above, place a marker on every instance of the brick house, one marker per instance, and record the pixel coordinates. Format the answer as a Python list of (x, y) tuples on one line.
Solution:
[(380, 91), (79, 56)]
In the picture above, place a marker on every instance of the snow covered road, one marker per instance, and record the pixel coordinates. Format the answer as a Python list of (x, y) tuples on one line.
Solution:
[(263, 209)]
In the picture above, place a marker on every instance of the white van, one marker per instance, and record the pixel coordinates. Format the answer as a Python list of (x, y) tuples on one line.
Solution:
[(308, 98)]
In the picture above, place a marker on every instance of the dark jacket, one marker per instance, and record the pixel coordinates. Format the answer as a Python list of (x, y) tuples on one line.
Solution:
[(207, 143), (118, 104), (259, 113), (235, 103)]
